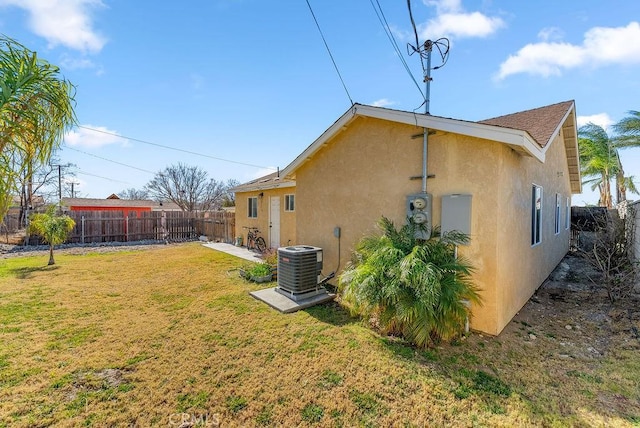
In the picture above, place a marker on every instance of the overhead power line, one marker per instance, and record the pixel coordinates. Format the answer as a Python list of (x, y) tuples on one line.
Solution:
[(104, 178), (110, 160), (387, 29), (330, 54), (174, 148)]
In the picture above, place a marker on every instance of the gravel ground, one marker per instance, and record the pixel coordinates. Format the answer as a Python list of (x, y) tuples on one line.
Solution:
[(7, 251)]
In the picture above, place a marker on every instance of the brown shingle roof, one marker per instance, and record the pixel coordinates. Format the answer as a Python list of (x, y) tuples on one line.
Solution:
[(120, 203), (540, 122), (265, 182)]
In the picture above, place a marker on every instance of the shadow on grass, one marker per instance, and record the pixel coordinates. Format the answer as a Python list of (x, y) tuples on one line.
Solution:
[(25, 272), (331, 313)]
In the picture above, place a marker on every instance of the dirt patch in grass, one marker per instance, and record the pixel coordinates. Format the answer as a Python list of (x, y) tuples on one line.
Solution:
[(169, 335)]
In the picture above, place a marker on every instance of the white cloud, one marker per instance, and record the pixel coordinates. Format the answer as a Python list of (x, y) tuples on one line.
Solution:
[(601, 46), (544, 59), (453, 21), (383, 102), (93, 137), (550, 34), (600, 119), (444, 6), (70, 63), (63, 22)]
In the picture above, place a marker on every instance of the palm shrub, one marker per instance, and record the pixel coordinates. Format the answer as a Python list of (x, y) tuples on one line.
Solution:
[(415, 288), (54, 229)]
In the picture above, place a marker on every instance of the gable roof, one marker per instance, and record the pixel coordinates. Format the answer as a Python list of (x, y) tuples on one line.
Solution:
[(528, 132), (541, 123), (544, 124), (271, 181)]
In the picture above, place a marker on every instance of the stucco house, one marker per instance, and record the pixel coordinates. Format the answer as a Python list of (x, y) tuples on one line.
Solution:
[(267, 203), (507, 181)]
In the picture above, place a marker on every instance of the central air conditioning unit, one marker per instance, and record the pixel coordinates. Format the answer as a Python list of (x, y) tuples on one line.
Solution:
[(299, 272)]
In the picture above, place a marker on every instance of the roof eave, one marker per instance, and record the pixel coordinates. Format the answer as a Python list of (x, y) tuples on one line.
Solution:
[(519, 140), (569, 126), (263, 186), (338, 126)]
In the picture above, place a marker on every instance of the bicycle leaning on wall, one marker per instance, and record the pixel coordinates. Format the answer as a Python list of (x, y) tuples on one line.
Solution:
[(254, 240)]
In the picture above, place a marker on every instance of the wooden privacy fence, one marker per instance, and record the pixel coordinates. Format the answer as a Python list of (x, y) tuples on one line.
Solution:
[(115, 226)]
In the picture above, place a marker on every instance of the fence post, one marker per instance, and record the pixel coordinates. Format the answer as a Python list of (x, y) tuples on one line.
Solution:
[(82, 223), (126, 228), (163, 225)]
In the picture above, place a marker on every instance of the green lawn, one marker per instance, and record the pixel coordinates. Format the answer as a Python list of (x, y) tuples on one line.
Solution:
[(161, 336)]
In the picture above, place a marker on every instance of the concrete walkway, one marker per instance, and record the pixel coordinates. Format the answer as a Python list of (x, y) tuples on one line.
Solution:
[(270, 296), (241, 252)]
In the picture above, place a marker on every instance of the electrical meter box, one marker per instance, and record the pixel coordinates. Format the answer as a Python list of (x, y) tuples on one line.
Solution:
[(456, 213), (419, 212)]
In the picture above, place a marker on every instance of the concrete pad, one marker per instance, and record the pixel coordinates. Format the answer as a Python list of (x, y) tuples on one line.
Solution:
[(241, 252), (285, 305)]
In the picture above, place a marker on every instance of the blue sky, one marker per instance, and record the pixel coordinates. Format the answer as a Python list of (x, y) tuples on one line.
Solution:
[(249, 83)]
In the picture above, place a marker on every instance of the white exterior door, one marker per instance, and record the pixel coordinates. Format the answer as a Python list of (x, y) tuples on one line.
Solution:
[(274, 222)]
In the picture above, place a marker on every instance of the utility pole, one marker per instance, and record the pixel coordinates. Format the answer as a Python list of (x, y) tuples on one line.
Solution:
[(73, 183)]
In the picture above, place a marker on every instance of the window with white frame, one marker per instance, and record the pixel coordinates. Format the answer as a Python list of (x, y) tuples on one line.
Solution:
[(567, 215), (536, 215), (252, 204), (557, 220), (289, 202)]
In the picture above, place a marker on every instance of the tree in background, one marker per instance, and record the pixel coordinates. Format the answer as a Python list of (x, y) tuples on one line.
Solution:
[(53, 229), (229, 198), (411, 287), (189, 187), (134, 194), (628, 130), (600, 162), (40, 184), (36, 108)]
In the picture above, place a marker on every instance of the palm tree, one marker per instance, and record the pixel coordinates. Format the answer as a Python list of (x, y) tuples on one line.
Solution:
[(599, 160), (628, 130), (36, 108), (53, 229), (415, 288)]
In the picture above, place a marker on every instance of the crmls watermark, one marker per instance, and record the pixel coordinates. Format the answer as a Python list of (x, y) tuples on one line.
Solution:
[(185, 420)]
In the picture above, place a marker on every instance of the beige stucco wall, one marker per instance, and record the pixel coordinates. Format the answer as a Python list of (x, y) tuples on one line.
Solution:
[(364, 173), (262, 222), (523, 267)]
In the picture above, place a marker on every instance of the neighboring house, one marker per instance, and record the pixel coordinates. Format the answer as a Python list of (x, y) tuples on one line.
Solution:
[(37, 202), (15, 218), (130, 207), (507, 180)]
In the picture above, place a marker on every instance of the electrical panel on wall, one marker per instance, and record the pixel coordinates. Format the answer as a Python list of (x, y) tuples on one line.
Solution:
[(456, 213), (419, 211)]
